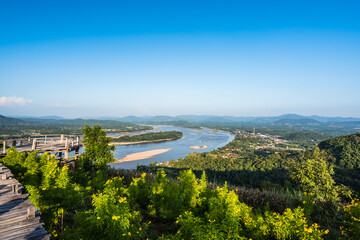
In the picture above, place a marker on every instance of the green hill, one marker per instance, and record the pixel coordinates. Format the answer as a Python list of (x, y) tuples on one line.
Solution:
[(345, 149)]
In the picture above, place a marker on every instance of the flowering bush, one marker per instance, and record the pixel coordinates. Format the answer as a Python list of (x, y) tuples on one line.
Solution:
[(351, 213)]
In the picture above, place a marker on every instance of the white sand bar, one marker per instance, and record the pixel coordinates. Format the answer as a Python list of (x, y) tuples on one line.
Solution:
[(199, 147), (142, 155)]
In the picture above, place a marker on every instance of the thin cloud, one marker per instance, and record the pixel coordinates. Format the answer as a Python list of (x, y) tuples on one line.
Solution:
[(14, 101)]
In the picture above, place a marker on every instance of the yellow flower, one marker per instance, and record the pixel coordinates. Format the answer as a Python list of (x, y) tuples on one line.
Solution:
[(115, 217), (304, 202), (98, 218), (326, 231), (44, 188)]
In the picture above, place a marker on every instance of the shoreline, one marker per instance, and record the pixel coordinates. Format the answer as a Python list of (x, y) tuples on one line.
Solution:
[(142, 155)]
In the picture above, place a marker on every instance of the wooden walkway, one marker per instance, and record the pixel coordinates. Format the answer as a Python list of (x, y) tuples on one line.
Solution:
[(19, 219), (62, 144)]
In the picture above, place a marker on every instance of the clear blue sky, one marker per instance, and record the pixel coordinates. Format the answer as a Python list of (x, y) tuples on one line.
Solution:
[(241, 58)]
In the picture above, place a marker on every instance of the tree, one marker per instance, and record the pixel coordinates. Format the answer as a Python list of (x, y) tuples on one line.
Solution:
[(97, 149), (314, 176)]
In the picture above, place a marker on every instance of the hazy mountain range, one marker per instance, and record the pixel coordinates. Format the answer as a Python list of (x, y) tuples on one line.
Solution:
[(231, 119), (285, 119)]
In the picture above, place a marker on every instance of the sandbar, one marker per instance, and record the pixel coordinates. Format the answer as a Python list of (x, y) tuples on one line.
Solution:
[(199, 147), (142, 155)]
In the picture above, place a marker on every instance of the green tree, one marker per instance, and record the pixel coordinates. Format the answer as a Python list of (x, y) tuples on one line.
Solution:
[(315, 176), (98, 152)]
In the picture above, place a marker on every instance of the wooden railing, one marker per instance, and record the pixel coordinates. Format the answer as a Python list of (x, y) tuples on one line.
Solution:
[(66, 140)]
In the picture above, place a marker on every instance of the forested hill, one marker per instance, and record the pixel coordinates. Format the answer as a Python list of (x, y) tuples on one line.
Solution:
[(345, 149), (8, 121), (13, 127)]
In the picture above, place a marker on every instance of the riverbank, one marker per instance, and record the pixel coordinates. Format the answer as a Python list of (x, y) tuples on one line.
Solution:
[(142, 155)]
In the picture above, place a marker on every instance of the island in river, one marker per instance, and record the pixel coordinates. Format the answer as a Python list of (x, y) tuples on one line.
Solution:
[(146, 138)]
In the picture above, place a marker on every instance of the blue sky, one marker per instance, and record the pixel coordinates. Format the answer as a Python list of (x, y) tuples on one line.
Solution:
[(118, 58)]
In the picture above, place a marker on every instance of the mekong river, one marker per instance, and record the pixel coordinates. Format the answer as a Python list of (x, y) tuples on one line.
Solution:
[(179, 148)]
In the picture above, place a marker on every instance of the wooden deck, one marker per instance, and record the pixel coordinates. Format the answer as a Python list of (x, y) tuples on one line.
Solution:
[(19, 219), (52, 145)]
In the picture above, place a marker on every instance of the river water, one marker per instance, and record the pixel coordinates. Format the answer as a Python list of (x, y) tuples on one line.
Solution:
[(179, 148)]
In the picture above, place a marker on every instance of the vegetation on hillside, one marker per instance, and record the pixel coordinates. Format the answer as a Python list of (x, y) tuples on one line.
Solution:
[(11, 127), (345, 149)]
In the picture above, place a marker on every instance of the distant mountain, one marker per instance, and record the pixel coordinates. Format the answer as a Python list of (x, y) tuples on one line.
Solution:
[(5, 121), (267, 120), (212, 119), (51, 117), (31, 117), (333, 119), (348, 124), (298, 122), (189, 118)]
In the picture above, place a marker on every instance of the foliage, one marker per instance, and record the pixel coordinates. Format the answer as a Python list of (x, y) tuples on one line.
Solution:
[(314, 176), (351, 213), (227, 218), (111, 217), (345, 149), (97, 148), (50, 185), (158, 136)]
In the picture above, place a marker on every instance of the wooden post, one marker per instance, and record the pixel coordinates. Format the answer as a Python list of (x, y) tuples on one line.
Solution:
[(45, 139), (62, 138), (76, 153), (78, 140), (66, 154), (72, 142), (15, 189), (13, 144), (30, 212), (66, 143), (34, 144), (4, 146)]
